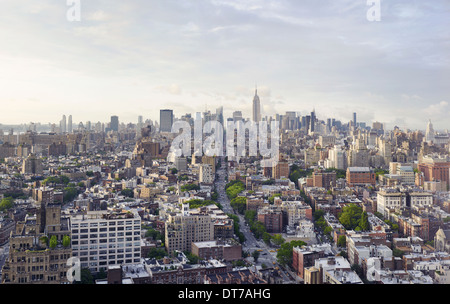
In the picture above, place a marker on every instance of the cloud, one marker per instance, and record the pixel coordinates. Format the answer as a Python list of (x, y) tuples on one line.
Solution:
[(439, 110), (173, 89)]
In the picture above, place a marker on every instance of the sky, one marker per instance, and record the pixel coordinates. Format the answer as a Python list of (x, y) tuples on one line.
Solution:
[(135, 57)]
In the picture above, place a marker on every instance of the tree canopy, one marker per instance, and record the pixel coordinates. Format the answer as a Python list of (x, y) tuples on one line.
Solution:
[(233, 188), (6, 203), (284, 255), (353, 217)]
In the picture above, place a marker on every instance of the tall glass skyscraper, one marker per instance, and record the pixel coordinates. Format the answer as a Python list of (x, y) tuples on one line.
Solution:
[(165, 120)]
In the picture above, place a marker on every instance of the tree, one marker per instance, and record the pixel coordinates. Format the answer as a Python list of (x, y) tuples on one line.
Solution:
[(127, 192), (66, 241), (157, 253), (189, 187), (342, 241), (239, 204), (69, 194), (352, 217), (272, 198), (86, 277), (266, 237), (255, 255), (53, 242), (277, 239), (233, 188), (6, 203), (284, 255)]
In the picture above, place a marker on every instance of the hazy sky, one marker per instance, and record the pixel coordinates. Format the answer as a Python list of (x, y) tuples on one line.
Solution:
[(135, 57)]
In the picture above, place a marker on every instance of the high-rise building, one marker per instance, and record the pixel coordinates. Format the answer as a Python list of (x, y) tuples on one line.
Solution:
[(114, 125), (429, 134), (105, 238), (63, 124), (165, 120), (354, 119), (313, 121), (69, 124), (219, 115), (256, 107), (237, 116)]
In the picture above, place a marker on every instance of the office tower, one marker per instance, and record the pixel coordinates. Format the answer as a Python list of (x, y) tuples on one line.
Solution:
[(114, 125), (165, 120), (104, 238), (237, 116), (63, 124), (219, 115), (256, 107), (139, 126), (69, 124), (354, 119), (429, 134), (313, 120), (40, 246), (308, 123)]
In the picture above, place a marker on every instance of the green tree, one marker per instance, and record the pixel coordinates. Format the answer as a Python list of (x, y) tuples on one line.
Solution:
[(66, 241), (284, 254), (157, 253), (239, 204), (234, 188), (277, 239), (127, 192), (342, 241), (266, 237), (6, 203), (69, 194), (255, 255), (352, 217), (190, 187), (53, 242), (272, 198), (86, 277)]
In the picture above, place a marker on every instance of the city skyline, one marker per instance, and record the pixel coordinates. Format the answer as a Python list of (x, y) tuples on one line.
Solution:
[(135, 58)]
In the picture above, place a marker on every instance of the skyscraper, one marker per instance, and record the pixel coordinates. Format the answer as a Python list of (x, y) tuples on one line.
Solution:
[(313, 120), (63, 124), (69, 124), (354, 119), (165, 120), (256, 107), (114, 126)]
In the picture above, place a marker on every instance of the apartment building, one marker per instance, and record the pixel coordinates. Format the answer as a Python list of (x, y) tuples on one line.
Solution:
[(389, 199), (39, 248), (182, 229), (360, 176), (104, 238)]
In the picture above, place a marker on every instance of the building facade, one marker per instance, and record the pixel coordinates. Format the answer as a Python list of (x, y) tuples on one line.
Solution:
[(105, 238)]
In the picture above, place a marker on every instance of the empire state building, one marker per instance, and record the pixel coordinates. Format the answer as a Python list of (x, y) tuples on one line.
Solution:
[(256, 107)]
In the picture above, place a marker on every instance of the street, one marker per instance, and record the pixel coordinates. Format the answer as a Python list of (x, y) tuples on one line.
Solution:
[(267, 254)]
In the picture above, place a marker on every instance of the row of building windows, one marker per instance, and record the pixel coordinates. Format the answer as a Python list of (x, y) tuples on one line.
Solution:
[(102, 224), (94, 265), (112, 246), (109, 257)]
